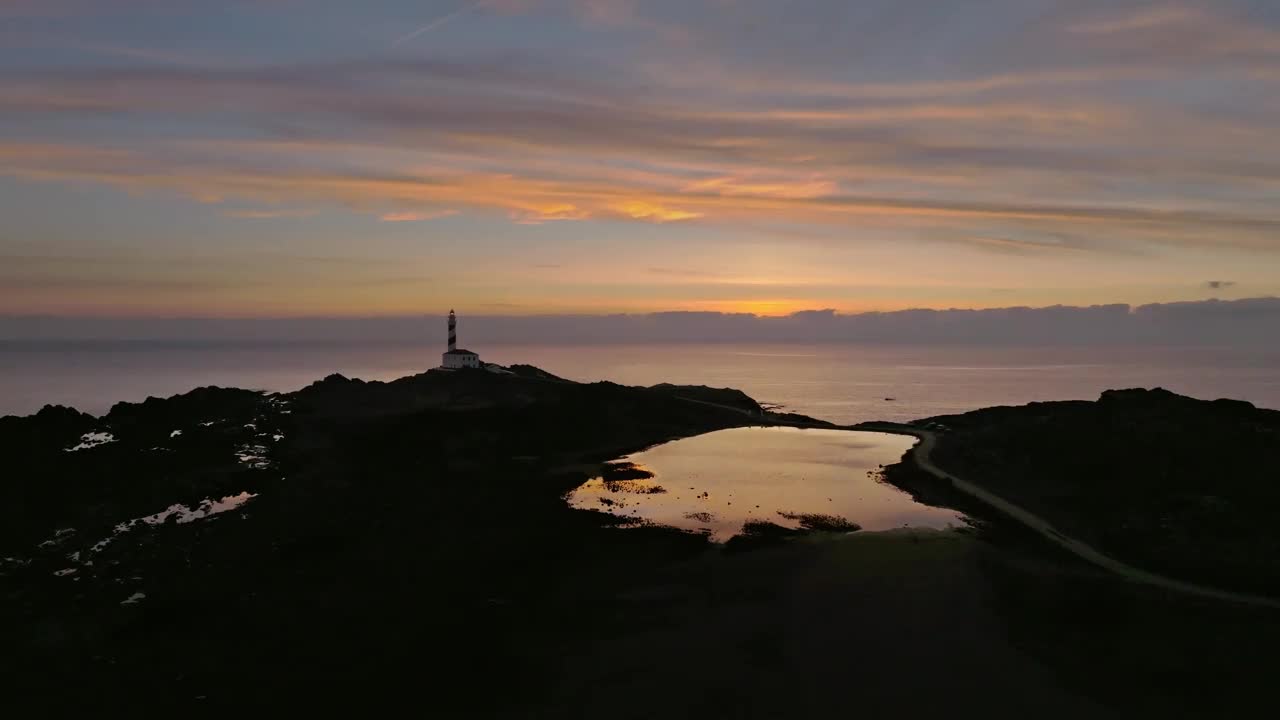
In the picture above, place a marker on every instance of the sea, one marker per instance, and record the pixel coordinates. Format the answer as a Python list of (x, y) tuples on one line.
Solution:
[(842, 383)]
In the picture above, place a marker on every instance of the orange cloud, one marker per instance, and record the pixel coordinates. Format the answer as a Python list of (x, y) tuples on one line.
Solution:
[(416, 216), (531, 200), (738, 185), (534, 215), (644, 210)]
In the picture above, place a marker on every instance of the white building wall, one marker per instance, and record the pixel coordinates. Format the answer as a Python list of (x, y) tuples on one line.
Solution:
[(461, 360)]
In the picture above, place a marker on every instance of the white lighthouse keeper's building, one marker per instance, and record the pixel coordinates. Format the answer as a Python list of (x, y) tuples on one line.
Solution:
[(454, 358)]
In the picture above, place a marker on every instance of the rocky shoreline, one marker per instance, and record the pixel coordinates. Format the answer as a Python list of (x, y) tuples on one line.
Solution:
[(346, 498), (340, 543)]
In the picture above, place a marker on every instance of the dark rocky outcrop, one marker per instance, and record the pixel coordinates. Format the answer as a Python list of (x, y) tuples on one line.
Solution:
[(536, 373), (719, 396), (144, 467), (392, 521)]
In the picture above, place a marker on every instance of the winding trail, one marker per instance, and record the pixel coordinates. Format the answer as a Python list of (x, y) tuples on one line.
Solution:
[(922, 454)]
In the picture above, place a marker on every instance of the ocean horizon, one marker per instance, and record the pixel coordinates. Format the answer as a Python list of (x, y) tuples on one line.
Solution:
[(841, 383)]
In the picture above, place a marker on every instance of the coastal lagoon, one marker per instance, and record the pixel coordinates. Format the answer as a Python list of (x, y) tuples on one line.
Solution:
[(718, 481)]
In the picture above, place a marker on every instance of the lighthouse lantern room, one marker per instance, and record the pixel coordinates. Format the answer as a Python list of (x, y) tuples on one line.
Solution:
[(455, 359)]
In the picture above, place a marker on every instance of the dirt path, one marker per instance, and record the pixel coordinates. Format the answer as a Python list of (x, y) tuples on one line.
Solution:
[(922, 453)]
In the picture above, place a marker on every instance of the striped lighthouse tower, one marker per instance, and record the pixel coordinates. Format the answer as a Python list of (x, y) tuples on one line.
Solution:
[(454, 358)]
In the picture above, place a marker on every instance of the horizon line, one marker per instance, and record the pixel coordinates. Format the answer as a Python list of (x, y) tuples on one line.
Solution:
[(809, 312)]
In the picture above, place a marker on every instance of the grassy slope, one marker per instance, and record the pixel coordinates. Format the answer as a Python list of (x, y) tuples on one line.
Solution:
[(1178, 486)]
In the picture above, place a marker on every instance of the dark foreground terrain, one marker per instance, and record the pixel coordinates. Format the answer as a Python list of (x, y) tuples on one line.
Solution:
[(407, 542), (1182, 487)]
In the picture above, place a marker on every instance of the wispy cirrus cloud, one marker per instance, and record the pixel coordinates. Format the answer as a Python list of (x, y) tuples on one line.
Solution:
[(1140, 19), (403, 192), (439, 22)]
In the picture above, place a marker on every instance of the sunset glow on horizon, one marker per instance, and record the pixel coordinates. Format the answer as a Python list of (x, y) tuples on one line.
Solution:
[(517, 157)]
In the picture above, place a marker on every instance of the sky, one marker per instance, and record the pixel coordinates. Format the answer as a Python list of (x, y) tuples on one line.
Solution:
[(298, 158)]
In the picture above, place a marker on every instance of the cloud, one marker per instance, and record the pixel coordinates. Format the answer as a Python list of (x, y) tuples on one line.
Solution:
[(533, 213), (1180, 35), (1143, 18), (1032, 244), (1246, 323), (260, 214), (1062, 156), (439, 22), (653, 212), (746, 184), (1219, 284), (683, 272), (396, 217), (209, 175)]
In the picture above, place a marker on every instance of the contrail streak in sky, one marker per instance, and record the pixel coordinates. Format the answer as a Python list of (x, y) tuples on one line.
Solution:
[(442, 20)]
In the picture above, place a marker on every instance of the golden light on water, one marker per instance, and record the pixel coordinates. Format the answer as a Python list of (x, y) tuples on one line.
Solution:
[(719, 481)]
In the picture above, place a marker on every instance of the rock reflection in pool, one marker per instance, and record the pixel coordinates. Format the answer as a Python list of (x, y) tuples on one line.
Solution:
[(718, 481)]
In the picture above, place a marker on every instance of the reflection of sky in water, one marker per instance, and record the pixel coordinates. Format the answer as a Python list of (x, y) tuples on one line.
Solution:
[(722, 479), (837, 382)]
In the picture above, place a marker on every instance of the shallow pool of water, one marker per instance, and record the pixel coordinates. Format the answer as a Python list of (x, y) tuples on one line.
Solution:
[(718, 481)]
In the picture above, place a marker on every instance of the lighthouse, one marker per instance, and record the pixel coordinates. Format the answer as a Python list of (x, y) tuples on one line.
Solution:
[(455, 359)]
